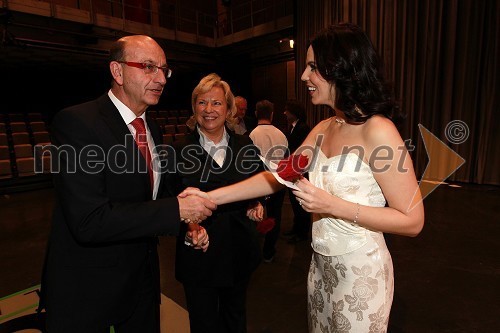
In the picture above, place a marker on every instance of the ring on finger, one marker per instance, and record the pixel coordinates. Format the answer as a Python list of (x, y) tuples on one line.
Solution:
[(300, 202)]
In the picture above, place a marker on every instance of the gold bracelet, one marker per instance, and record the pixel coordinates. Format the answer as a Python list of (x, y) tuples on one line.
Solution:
[(357, 214)]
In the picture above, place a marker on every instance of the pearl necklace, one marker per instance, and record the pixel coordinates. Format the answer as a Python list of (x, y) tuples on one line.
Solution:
[(339, 121)]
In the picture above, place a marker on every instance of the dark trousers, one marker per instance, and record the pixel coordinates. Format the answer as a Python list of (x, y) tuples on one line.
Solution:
[(144, 318), (217, 310), (301, 218), (274, 206)]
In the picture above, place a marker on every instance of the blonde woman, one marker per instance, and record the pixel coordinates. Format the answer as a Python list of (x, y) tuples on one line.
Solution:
[(215, 282)]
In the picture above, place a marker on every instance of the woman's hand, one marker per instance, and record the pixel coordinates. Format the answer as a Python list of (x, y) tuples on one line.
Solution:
[(313, 199), (193, 191), (255, 212)]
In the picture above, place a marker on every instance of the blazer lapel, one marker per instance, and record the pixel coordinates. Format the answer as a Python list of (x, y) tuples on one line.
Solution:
[(120, 131)]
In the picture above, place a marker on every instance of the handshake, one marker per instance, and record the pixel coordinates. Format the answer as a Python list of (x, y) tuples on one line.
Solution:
[(195, 205)]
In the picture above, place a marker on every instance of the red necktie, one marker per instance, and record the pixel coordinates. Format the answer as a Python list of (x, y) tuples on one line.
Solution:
[(141, 139)]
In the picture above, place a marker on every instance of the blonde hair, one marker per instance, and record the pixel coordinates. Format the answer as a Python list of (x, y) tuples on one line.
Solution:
[(206, 84)]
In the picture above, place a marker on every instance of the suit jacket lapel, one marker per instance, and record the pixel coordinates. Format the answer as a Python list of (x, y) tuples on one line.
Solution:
[(157, 142), (120, 131)]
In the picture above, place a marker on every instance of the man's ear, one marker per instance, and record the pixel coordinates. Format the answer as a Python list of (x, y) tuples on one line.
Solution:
[(116, 71)]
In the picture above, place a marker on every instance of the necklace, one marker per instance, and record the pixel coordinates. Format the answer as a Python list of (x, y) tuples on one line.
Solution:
[(339, 121)]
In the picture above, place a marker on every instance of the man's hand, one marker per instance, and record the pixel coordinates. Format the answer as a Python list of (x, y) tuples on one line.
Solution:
[(195, 208), (197, 237)]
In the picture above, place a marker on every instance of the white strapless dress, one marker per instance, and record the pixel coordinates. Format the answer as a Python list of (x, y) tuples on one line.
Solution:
[(351, 280)]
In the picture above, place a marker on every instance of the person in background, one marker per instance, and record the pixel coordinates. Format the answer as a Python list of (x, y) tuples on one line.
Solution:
[(273, 146), (243, 123), (362, 184), (215, 282), (297, 133), (101, 267)]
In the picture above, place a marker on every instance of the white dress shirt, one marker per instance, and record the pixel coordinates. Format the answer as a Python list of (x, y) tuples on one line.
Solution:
[(216, 150), (129, 116)]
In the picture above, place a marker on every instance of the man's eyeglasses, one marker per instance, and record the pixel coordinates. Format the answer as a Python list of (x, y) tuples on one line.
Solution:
[(148, 68)]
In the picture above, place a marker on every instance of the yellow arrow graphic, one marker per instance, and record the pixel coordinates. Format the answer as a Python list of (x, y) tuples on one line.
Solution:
[(443, 161)]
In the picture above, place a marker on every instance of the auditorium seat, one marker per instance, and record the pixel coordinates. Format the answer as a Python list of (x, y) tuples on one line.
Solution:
[(24, 160), (38, 126), (182, 129), (3, 129), (23, 150), (16, 117), (182, 120), (4, 153), (41, 137), (163, 114), (172, 120), (18, 127), (169, 129), (3, 139), (179, 136), (161, 121), (35, 116), (5, 169), (151, 114), (20, 138), (168, 139), (25, 166), (173, 113)]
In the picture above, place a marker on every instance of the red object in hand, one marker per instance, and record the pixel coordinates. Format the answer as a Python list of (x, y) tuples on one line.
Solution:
[(266, 225), (193, 227), (293, 167)]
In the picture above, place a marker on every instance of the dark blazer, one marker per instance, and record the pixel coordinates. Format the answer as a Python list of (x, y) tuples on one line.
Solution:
[(298, 135), (250, 123), (102, 245), (234, 251)]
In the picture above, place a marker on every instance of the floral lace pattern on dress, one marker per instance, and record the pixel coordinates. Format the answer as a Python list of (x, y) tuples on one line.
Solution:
[(350, 283)]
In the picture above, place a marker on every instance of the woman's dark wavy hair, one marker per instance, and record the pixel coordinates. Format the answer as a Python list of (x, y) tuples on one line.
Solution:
[(345, 57)]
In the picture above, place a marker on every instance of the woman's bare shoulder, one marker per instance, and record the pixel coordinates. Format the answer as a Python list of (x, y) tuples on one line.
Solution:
[(380, 130)]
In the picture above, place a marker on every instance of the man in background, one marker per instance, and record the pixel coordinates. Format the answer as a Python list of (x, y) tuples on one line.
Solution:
[(244, 123), (297, 133), (273, 146)]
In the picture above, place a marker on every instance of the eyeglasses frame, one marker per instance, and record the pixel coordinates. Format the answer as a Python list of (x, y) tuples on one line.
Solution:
[(142, 65)]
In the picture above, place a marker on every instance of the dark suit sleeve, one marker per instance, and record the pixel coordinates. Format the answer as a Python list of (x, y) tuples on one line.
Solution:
[(99, 205), (299, 134)]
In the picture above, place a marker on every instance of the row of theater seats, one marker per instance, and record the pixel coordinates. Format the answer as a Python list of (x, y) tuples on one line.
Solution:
[(168, 113), (172, 123), (20, 134)]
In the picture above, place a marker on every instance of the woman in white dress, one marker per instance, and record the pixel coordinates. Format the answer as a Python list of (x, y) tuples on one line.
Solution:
[(362, 184)]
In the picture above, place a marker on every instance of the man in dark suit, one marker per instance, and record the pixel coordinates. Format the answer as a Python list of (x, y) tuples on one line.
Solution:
[(297, 132), (101, 265)]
